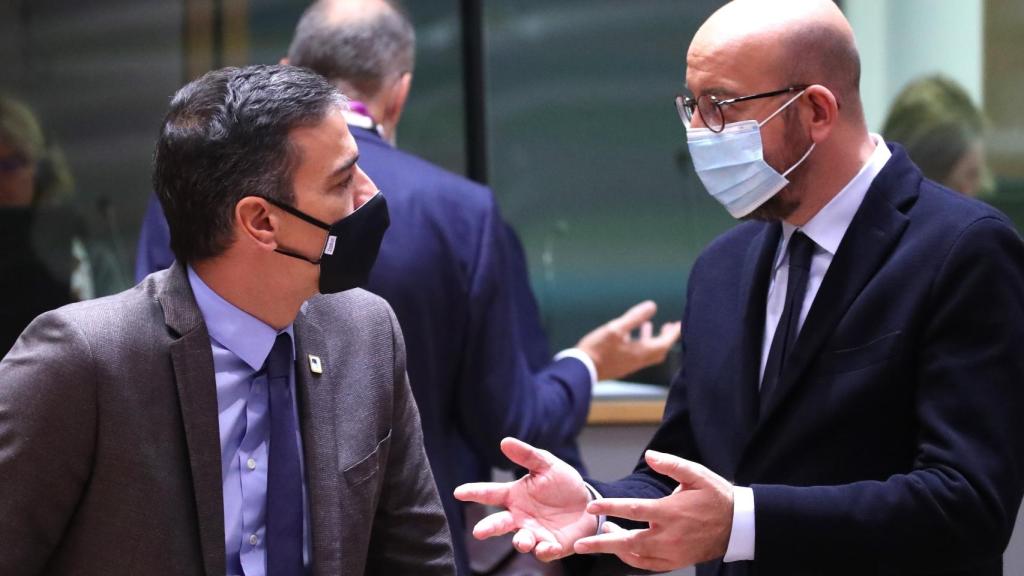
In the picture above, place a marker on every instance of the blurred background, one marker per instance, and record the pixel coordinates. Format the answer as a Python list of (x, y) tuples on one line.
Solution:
[(564, 108)]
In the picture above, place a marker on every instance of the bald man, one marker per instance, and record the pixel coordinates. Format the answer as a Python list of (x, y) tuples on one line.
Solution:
[(853, 373)]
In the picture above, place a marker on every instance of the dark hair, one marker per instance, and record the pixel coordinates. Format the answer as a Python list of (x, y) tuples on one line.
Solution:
[(225, 138), (361, 51)]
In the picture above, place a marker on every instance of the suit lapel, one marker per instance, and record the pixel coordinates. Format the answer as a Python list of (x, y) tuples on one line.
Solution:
[(192, 360), (729, 386), (871, 237), (754, 293), (317, 413)]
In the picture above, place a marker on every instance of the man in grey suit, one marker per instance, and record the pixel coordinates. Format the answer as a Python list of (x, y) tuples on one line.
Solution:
[(156, 431)]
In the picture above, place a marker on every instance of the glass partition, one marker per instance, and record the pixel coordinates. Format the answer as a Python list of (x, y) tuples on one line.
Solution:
[(588, 156)]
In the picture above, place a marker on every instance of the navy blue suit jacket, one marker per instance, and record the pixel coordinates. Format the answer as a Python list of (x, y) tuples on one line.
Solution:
[(478, 360), (894, 443), (456, 279)]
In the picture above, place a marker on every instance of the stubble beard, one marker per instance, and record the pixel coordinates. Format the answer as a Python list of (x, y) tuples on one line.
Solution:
[(786, 201)]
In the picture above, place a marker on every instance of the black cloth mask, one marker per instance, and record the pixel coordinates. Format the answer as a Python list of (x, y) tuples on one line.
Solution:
[(351, 247)]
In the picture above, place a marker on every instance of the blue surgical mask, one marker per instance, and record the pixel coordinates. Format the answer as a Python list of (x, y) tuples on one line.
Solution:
[(731, 164)]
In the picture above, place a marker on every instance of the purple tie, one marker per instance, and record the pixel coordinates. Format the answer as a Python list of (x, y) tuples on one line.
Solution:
[(284, 477)]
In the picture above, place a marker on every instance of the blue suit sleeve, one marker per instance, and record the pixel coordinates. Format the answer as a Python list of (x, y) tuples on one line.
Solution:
[(674, 436), (533, 340), (531, 334), (499, 394)]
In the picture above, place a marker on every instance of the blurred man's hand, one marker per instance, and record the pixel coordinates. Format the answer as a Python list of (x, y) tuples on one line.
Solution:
[(614, 350)]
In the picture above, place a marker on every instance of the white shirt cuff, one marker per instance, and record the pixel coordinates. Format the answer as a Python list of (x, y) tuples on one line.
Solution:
[(741, 539), (582, 357), (595, 495)]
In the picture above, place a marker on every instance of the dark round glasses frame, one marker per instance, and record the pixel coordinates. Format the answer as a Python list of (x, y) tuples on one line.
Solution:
[(710, 107)]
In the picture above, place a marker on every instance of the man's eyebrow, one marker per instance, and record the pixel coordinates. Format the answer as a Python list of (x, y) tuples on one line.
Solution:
[(722, 93), (344, 167)]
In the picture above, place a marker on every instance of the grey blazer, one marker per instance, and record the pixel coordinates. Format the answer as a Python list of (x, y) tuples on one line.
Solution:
[(110, 450)]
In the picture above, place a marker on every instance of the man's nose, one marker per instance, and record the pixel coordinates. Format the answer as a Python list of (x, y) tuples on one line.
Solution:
[(365, 188)]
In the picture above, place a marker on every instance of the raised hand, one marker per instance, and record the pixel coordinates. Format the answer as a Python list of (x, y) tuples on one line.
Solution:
[(616, 353), (546, 508), (691, 525)]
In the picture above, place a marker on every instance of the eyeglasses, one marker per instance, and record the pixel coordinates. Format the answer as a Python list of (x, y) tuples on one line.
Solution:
[(710, 107)]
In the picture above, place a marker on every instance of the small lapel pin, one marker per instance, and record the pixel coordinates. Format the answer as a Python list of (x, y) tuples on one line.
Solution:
[(314, 365)]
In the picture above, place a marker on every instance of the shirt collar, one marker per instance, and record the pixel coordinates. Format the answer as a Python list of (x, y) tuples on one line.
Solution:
[(829, 225), (244, 335), (356, 116)]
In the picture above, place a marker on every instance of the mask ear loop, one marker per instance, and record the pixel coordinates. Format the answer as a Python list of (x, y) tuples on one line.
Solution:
[(783, 107), (801, 160), (776, 113)]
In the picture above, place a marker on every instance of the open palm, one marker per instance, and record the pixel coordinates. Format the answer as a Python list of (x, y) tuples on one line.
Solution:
[(546, 508)]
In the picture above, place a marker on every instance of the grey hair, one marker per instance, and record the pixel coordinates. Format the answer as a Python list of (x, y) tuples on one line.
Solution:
[(361, 53)]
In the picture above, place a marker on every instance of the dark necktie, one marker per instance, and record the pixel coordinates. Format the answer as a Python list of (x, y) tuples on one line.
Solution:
[(284, 476), (800, 250)]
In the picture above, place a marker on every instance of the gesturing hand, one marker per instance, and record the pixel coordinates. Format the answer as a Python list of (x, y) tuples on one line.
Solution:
[(614, 351), (547, 507), (690, 525)]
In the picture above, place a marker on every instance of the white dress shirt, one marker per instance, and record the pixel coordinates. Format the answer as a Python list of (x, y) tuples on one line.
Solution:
[(826, 229)]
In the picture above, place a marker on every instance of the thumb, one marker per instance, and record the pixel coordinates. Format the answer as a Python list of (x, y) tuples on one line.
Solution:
[(521, 453), (688, 474)]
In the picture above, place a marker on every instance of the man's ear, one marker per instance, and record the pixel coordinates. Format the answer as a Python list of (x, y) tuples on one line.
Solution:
[(821, 113), (397, 96), (255, 223)]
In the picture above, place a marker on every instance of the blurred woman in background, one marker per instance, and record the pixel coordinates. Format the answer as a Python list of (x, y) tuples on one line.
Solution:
[(942, 130), (43, 263)]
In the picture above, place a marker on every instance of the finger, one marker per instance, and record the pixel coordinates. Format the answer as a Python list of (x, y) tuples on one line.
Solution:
[(491, 493), (669, 333), (634, 547), (620, 542), (494, 525), (688, 474), (527, 456), (649, 563), (642, 510), (646, 331), (524, 541), (657, 346), (547, 551), (634, 317), (609, 527)]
